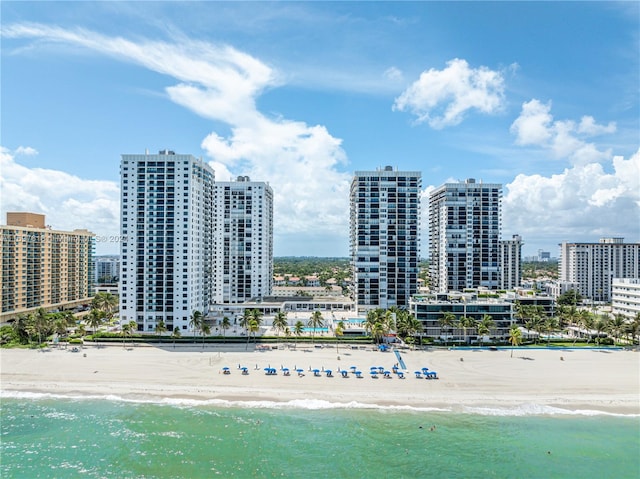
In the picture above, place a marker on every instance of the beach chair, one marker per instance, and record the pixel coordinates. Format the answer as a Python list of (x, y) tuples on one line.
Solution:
[(345, 374)]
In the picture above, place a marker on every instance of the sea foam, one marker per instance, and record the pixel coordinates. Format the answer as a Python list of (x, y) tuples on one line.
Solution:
[(529, 409)]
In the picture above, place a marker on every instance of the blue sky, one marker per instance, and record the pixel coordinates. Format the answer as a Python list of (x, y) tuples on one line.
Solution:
[(542, 97)]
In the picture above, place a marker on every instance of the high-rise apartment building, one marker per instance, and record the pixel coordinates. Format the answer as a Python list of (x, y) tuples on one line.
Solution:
[(167, 239), (510, 262), (106, 269), (594, 265), (464, 232), (243, 244), (384, 236), (41, 267)]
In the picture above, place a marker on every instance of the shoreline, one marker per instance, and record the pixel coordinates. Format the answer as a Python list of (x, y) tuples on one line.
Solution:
[(537, 381)]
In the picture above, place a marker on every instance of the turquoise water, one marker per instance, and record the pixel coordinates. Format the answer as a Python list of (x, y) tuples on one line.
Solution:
[(110, 438), (315, 330)]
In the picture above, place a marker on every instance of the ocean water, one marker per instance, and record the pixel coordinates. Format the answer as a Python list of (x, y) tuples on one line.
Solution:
[(62, 437)]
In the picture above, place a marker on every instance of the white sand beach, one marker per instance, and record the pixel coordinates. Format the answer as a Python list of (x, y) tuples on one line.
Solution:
[(601, 380)]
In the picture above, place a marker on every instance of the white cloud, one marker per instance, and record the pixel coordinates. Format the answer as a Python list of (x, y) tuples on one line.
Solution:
[(582, 203), (25, 151), (565, 139), (67, 201), (299, 161), (443, 97), (393, 74)]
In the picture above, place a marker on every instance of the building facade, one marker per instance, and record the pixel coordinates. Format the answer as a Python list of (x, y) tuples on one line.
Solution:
[(167, 239), (384, 237), (243, 258), (43, 268), (464, 232), (625, 297), (594, 265), (106, 269), (510, 262), (430, 309)]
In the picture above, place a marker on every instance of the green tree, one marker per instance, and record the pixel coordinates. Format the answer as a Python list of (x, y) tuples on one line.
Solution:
[(94, 320), (298, 329), (316, 321), (515, 337), (175, 335), (125, 330), (160, 328), (254, 327), (280, 322), (446, 322), (205, 330), (106, 302), (485, 326), (339, 332), (225, 324), (195, 323), (616, 326), (20, 325), (571, 297)]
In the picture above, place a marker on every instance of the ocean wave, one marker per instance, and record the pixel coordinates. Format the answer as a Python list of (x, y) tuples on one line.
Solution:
[(532, 409), (310, 404), (529, 409)]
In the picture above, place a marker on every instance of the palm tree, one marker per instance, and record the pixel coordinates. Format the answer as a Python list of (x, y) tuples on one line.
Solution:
[(485, 325), (550, 325), (377, 332), (160, 328), (298, 329), (175, 335), (195, 323), (133, 328), (126, 330), (414, 326), (40, 323), (94, 320), (316, 321), (446, 322), (60, 328), (106, 302), (616, 326), (205, 329), (373, 316), (254, 327), (280, 322), (600, 326), (587, 322), (515, 337), (225, 324), (339, 332), (466, 322)]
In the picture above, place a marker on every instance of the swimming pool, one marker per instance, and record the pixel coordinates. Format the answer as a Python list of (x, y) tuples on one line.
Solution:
[(315, 330)]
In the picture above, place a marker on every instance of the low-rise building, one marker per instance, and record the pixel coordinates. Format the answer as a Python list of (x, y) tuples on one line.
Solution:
[(430, 309)]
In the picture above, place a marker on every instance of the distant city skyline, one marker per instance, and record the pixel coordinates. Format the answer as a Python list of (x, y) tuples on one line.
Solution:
[(540, 97)]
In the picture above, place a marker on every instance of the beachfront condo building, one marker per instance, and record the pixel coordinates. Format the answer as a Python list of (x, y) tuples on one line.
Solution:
[(167, 239), (43, 268), (431, 310), (625, 297), (510, 262), (384, 237), (594, 265), (464, 232), (243, 246)]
